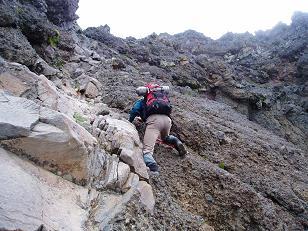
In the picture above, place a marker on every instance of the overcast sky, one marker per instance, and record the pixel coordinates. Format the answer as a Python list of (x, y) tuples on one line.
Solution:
[(140, 18)]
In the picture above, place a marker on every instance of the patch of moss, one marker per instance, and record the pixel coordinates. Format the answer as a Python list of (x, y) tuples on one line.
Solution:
[(222, 165), (79, 118), (54, 40), (19, 10), (58, 62)]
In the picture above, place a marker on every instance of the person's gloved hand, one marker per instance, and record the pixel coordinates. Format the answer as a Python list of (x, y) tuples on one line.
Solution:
[(139, 120)]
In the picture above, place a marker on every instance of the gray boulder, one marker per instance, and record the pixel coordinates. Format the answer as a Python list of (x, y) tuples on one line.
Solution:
[(31, 197), (121, 137), (56, 142), (18, 116)]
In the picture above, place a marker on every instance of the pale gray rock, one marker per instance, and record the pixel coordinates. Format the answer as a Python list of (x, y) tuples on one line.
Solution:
[(135, 160), (47, 93), (146, 195), (56, 143), (123, 173), (31, 197), (41, 67), (18, 116), (110, 206), (54, 149), (17, 80), (96, 56), (96, 164), (78, 72), (122, 136), (96, 122), (91, 87), (132, 182), (91, 91), (108, 175)]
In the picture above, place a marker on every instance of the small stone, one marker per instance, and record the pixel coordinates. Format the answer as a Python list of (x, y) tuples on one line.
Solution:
[(96, 56), (209, 198), (91, 91), (117, 64), (220, 135), (103, 112), (68, 177), (146, 195), (77, 73)]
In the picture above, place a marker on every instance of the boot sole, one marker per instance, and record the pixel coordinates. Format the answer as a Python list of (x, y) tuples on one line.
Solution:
[(181, 149)]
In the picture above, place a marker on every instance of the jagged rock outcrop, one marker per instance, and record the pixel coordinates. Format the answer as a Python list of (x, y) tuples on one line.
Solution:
[(240, 105), (32, 129), (62, 13), (121, 137), (48, 138), (103, 35), (15, 46)]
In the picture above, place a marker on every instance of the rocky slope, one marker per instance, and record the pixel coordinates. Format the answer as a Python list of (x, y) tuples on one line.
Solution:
[(240, 106)]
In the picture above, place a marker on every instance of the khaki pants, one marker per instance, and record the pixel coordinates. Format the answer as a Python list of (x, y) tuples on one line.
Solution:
[(157, 126)]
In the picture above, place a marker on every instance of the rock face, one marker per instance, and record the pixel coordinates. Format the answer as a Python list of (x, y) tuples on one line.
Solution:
[(19, 118), (49, 138), (15, 46), (62, 12), (121, 137), (240, 107), (31, 197), (103, 35)]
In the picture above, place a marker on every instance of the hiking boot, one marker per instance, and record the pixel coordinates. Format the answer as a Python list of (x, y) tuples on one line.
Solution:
[(177, 144), (153, 167), (150, 162)]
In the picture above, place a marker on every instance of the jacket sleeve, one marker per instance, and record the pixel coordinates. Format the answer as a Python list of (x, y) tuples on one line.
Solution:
[(135, 111)]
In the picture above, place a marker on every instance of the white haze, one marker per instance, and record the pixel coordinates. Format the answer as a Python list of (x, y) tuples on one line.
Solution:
[(140, 18)]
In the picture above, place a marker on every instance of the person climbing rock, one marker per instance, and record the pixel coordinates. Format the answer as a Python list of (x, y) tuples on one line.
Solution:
[(154, 109)]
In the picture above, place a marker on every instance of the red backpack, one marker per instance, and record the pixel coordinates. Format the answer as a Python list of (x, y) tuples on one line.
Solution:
[(157, 101)]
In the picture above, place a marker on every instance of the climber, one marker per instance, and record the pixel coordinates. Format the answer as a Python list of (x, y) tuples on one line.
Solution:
[(154, 109)]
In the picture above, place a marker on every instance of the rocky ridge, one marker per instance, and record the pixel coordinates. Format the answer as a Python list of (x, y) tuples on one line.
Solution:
[(240, 106)]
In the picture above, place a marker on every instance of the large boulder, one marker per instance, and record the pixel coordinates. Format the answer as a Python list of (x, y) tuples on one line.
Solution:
[(18, 80), (88, 86), (55, 142), (121, 137), (32, 197), (19, 116)]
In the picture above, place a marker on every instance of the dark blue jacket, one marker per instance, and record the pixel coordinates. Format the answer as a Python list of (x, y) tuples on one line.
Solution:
[(138, 110)]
